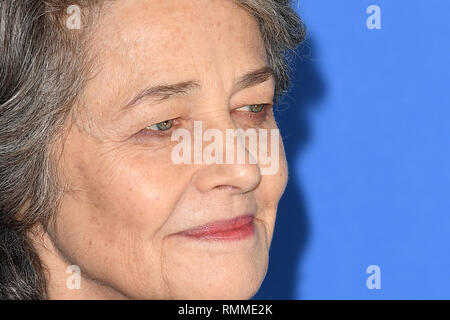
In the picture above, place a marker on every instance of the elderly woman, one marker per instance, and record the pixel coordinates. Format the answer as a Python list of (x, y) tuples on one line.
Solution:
[(90, 93)]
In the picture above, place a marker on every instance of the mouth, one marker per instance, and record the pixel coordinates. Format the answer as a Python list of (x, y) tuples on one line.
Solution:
[(225, 230)]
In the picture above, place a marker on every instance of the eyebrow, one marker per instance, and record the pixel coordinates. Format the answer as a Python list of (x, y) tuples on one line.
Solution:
[(163, 92), (254, 78)]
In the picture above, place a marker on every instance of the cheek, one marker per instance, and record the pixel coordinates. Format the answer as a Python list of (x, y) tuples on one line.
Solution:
[(117, 214), (144, 193), (283, 174), (274, 183), (137, 192), (269, 193)]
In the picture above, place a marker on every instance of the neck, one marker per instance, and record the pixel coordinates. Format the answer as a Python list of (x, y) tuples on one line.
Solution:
[(65, 280)]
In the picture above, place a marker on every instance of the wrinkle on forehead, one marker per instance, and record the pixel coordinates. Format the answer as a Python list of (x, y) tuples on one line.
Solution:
[(137, 29)]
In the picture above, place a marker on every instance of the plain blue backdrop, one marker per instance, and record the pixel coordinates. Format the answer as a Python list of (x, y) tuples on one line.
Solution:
[(367, 133)]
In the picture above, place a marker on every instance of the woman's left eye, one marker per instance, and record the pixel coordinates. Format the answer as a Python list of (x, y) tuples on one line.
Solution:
[(256, 113), (255, 108)]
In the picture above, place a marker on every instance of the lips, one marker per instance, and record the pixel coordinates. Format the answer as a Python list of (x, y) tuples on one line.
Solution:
[(234, 229)]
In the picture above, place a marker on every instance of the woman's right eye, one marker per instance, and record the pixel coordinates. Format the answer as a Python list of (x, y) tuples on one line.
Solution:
[(161, 126), (161, 129)]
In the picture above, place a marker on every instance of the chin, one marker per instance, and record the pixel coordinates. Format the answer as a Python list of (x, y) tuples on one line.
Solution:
[(224, 284), (228, 273)]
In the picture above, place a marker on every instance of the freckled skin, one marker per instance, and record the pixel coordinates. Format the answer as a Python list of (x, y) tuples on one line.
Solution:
[(127, 199)]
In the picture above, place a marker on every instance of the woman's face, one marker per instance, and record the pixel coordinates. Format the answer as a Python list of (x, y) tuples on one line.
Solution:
[(122, 221)]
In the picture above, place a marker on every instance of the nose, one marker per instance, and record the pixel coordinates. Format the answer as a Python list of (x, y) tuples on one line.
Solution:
[(235, 176), (238, 178)]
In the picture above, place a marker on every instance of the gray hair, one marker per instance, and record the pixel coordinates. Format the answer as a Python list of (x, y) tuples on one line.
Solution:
[(43, 72)]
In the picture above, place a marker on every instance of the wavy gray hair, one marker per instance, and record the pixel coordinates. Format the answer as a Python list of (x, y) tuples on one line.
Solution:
[(43, 71)]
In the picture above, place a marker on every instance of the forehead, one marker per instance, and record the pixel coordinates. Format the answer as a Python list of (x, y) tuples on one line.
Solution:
[(153, 22), (138, 42)]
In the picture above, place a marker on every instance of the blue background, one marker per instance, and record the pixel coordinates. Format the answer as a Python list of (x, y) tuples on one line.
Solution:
[(367, 133)]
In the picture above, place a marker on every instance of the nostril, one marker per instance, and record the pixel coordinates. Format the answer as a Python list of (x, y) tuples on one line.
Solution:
[(225, 187)]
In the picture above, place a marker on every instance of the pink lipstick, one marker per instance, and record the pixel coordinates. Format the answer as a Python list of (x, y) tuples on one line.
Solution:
[(233, 229)]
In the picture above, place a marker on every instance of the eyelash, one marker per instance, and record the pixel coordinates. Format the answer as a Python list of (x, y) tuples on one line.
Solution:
[(252, 116)]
